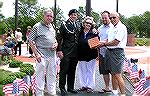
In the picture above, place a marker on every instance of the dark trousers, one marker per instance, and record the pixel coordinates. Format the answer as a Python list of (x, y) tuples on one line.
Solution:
[(30, 51), (67, 70), (18, 45)]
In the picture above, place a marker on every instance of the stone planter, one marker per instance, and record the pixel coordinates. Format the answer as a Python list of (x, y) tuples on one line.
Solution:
[(131, 40)]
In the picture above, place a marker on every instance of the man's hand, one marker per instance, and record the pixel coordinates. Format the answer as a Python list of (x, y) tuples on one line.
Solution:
[(38, 58), (54, 46), (60, 54)]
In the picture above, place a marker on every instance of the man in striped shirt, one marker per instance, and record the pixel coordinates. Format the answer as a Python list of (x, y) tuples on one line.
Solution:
[(43, 44)]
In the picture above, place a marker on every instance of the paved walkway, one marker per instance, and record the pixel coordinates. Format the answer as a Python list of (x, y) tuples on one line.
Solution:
[(141, 53)]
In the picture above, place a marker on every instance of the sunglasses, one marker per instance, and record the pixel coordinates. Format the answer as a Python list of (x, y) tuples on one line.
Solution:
[(112, 18), (88, 23)]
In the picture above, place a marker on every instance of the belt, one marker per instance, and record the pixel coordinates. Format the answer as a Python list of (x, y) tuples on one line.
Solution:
[(114, 49), (46, 48)]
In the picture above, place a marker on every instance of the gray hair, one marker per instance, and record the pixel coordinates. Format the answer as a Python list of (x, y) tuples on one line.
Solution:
[(45, 11), (116, 13)]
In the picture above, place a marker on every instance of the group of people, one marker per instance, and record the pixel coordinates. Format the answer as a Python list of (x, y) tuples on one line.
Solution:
[(72, 47), (14, 41)]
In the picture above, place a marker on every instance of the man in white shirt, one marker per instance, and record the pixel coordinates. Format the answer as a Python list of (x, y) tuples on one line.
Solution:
[(117, 39), (103, 35)]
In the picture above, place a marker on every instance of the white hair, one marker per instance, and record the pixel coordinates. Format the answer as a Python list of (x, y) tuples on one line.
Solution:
[(45, 11), (116, 13)]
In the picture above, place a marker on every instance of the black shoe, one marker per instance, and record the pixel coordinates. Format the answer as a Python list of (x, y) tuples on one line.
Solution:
[(63, 92), (72, 91)]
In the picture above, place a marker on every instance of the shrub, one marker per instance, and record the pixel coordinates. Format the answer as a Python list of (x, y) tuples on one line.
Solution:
[(19, 74), (142, 42), (4, 74), (8, 79), (27, 70), (15, 63), (1, 90), (26, 65)]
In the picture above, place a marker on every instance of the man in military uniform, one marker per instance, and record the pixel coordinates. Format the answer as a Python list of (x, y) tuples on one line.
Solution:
[(67, 52)]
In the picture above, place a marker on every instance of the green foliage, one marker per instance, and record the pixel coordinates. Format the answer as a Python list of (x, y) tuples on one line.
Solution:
[(27, 70), (5, 59), (82, 14), (15, 63), (25, 65), (142, 42), (19, 74), (8, 79), (1, 90), (3, 74)]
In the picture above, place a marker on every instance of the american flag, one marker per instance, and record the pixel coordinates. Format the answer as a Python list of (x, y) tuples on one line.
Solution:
[(15, 88), (57, 65), (11, 89), (139, 86), (146, 88), (134, 72), (23, 86), (142, 75), (8, 89), (33, 84), (127, 66)]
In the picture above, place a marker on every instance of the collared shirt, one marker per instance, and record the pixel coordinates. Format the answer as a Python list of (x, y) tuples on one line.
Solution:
[(118, 32), (103, 35), (44, 37)]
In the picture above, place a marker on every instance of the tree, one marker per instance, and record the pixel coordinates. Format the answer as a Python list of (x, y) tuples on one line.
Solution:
[(82, 14), (59, 17), (139, 24), (144, 27), (1, 4), (28, 7)]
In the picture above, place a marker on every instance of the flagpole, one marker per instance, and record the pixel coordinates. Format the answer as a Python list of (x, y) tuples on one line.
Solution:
[(148, 66)]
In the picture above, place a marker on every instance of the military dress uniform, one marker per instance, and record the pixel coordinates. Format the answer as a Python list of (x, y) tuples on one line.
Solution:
[(67, 43)]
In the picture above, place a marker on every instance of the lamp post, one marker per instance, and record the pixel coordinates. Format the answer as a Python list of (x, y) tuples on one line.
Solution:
[(88, 7), (55, 3), (16, 14), (117, 1)]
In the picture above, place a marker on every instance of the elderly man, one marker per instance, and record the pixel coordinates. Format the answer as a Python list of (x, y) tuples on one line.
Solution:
[(43, 44), (117, 39)]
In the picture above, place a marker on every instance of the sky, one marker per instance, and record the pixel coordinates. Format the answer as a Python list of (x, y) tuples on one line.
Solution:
[(126, 7)]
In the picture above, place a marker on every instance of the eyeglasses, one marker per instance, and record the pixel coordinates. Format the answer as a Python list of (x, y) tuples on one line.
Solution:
[(112, 18), (88, 23)]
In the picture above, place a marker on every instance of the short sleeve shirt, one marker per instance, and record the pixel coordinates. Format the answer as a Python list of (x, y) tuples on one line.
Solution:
[(44, 37), (18, 36), (118, 32), (103, 35)]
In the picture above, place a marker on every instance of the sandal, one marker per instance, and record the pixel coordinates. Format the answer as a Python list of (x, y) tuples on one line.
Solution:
[(83, 89), (89, 90), (106, 90)]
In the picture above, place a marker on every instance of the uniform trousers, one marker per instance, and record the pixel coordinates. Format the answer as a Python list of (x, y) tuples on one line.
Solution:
[(86, 73), (46, 75), (67, 71)]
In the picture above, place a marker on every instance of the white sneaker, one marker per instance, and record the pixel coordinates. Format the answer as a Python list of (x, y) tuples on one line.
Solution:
[(122, 94), (115, 92)]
